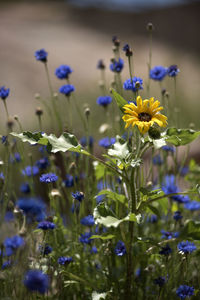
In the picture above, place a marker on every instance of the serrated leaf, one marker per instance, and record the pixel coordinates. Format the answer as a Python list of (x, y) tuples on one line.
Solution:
[(180, 137), (66, 142), (119, 100)]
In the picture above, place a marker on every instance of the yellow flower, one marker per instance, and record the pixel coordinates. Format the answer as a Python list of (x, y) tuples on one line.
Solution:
[(144, 114)]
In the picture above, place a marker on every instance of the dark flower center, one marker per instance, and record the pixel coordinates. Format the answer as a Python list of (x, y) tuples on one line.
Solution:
[(144, 117)]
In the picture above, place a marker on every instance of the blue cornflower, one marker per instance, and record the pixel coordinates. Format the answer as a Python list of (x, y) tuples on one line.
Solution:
[(67, 89), (104, 100), (186, 247), (33, 208), (63, 72), (4, 93), (120, 248), (41, 55), (173, 71), (63, 260), (100, 65), (160, 281), (169, 235), (177, 215), (84, 142), (158, 73), (45, 250), (100, 198), (30, 171), (94, 250), (49, 177), (192, 205), (12, 244), (17, 157), (2, 177), (6, 264), (157, 160), (88, 220), (130, 84), (185, 291), (85, 238), (107, 142), (42, 163), (45, 225), (152, 219), (184, 170), (126, 47), (166, 250), (169, 186), (168, 148), (25, 188), (78, 196), (69, 181), (4, 139), (117, 65), (36, 281), (9, 216)]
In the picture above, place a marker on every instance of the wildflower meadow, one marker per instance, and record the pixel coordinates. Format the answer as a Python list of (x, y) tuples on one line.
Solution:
[(115, 217)]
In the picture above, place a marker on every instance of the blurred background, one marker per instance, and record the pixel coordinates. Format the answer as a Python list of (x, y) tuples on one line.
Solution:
[(79, 33)]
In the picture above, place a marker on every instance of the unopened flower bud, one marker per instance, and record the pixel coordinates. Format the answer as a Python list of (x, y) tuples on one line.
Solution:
[(39, 111), (87, 112), (150, 26), (10, 123), (192, 125), (101, 65), (37, 96), (101, 83), (115, 41), (16, 118), (55, 95), (137, 85), (72, 166), (154, 133)]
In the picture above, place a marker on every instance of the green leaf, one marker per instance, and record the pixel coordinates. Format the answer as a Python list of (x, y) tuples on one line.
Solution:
[(66, 142), (119, 100), (119, 149), (103, 237), (99, 296), (180, 137), (191, 230), (112, 195)]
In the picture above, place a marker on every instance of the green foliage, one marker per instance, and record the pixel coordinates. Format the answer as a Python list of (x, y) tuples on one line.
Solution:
[(119, 100), (191, 230), (114, 196), (181, 137)]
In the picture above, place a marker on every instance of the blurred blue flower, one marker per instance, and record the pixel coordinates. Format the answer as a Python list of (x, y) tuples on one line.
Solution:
[(67, 89), (94, 250), (45, 225), (184, 170), (12, 244), (158, 73), (36, 281), (4, 139), (168, 234), (185, 291), (160, 281), (186, 247), (177, 215), (117, 65), (169, 186), (41, 55), (49, 177), (120, 248), (85, 238), (173, 71), (4, 93), (192, 205), (100, 65), (168, 148), (63, 71), (30, 171), (165, 250), (84, 141), (69, 181), (64, 260), (152, 218), (45, 249), (33, 208), (88, 221), (6, 264), (78, 196), (25, 188), (157, 160), (104, 100), (42, 163), (130, 84), (107, 142)]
